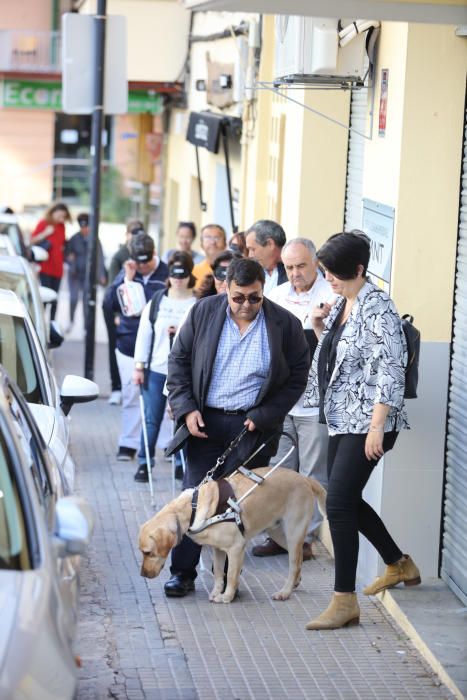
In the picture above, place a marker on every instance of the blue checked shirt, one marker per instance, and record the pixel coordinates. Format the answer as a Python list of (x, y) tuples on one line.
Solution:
[(241, 365)]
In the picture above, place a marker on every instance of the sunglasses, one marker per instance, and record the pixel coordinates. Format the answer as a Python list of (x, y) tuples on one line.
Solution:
[(220, 273), (251, 298)]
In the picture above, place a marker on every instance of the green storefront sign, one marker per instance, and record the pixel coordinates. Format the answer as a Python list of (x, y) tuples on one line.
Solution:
[(28, 94)]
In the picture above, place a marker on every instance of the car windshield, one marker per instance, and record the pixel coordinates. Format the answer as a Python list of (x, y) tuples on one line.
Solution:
[(14, 551), (17, 358), (18, 284), (11, 230)]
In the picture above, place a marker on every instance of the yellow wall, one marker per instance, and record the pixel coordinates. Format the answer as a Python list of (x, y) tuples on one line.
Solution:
[(432, 145), (307, 169), (415, 168)]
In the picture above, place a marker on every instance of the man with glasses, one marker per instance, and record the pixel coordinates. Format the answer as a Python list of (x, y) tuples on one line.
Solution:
[(305, 289), (239, 360), (213, 241), (145, 268)]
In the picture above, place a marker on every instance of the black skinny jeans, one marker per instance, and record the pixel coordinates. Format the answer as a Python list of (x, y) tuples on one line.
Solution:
[(52, 283), (348, 514)]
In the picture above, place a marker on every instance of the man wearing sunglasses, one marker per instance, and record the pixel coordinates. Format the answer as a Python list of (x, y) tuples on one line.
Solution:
[(239, 360)]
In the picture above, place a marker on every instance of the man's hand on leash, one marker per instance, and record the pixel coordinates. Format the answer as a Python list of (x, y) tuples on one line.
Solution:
[(195, 423), (250, 425)]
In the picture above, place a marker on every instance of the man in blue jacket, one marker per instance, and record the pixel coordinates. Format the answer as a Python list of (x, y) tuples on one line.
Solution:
[(147, 269)]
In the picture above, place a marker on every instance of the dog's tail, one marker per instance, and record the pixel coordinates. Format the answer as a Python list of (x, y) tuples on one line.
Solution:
[(320, 493)]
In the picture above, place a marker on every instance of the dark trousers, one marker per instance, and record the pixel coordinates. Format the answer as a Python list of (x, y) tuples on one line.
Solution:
[(109, 318), (51, 283), (201, 455), (348, 514), (76, 288)]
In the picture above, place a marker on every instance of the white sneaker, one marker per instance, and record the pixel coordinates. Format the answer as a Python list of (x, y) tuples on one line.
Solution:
[(115, 398)]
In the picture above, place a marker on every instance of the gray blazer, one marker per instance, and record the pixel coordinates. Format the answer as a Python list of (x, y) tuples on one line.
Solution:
[(370, 365)]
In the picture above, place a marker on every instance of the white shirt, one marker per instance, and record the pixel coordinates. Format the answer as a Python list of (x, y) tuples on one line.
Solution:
[(270, 282), (301, 305), (171, 312)]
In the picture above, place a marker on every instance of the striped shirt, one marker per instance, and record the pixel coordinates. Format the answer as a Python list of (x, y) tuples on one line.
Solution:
[(241, 365)]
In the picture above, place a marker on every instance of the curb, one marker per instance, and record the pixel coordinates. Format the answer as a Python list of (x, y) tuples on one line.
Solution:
[(396, 612)]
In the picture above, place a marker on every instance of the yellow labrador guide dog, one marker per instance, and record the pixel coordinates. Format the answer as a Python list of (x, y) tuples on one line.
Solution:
[(282, 505)]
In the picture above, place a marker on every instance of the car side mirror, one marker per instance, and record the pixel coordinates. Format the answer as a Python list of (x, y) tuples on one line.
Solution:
[(47, 295), (76, 389), (74, 524), (55, 336), (39, 254)]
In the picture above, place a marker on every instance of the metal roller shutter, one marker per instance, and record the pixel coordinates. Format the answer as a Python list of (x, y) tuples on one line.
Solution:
[(355, 160), (454, 550)]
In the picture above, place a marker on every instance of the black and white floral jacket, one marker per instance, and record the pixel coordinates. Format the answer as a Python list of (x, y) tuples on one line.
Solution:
[(370, 365)]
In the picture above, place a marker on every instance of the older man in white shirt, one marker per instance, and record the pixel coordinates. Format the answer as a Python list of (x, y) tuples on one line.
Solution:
[(305, 289)]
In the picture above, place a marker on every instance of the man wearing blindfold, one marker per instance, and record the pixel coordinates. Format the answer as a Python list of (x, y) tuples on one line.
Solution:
[(144, 268), (239, 360)]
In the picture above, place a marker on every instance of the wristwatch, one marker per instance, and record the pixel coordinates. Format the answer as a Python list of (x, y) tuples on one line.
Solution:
[(139, 365)]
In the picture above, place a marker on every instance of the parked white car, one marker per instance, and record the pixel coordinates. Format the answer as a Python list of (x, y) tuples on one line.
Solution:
[(23, 357), (17, 274), (41, 536)]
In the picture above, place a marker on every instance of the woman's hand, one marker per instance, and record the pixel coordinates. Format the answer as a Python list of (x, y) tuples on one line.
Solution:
[(318, 315), (374, 444)]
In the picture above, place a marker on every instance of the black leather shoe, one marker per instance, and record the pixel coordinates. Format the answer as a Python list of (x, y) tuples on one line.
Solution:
[(178, 586)]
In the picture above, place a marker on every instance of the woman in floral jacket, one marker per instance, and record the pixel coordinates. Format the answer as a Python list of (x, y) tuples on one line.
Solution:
[(357, 379)]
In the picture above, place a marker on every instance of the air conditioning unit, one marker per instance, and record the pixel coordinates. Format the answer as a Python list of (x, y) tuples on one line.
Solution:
[(309, 50)]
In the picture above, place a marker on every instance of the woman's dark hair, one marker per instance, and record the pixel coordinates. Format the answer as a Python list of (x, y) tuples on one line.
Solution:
[(344, 252), (59, 206), (245, 271), (187, 224), (186, 261), (239, 245)]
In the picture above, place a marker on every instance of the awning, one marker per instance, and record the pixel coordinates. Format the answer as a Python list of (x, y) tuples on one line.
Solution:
[(428, 11)]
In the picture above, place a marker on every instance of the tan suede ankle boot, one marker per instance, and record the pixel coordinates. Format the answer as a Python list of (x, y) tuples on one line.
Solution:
[(402, 571), (342, 610)]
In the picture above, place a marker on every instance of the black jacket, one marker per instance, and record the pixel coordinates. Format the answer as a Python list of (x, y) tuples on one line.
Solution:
[(282, 274), (127, 329), (192, 359), (116, 264), (76, 248)]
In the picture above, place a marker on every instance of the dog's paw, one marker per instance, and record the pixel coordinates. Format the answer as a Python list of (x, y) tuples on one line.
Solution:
[(215, 593), (219, 598), (281, 595)]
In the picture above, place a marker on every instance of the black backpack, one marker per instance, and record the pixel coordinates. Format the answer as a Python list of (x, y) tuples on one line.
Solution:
[(412, 337)]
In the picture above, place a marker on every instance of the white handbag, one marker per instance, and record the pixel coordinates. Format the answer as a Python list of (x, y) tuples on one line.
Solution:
[(131, 298)]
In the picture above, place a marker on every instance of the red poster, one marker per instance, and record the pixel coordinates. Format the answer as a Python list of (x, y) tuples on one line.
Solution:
[(383, 102)]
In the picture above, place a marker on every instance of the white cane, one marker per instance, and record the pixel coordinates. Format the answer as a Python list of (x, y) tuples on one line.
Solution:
[(146, 446)]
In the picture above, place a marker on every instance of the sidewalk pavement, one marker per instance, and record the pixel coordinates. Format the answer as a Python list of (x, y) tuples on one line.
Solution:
[(135, 643)]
